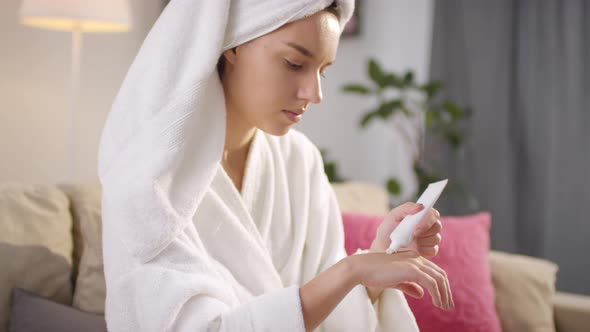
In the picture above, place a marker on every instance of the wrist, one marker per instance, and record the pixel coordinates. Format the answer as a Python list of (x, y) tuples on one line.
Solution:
[(321, 295), (351, 270), (375, 292)]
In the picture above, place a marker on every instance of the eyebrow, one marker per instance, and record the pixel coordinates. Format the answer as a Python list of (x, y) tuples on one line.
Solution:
[(301, 49), (304, 51)]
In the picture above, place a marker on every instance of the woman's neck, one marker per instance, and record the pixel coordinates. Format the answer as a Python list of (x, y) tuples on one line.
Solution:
[(238, 138)]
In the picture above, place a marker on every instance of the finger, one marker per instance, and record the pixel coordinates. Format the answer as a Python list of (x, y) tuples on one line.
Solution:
[(405, 209), (412, 289), (447, 282), (426, 280), (437, 213), (432, 240), (447, 286), (440, 282), (440, 277), (435, 228), (428, 251), (428, 220)]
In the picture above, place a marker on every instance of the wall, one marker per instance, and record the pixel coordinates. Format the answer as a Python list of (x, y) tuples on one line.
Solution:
[(35, 135)]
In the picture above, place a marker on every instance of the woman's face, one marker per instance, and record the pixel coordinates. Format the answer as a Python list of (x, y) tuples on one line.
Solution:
[(270, 81)]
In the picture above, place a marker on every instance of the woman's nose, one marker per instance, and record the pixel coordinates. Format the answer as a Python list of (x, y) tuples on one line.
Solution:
[(311, 90)]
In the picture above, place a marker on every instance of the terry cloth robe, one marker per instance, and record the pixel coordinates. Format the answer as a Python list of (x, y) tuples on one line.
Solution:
[(239, 264), (183, 251)]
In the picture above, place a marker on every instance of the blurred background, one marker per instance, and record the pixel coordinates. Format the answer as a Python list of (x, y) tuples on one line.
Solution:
[(493, 95)]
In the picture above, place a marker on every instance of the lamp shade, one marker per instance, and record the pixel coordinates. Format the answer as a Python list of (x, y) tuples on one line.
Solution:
[(82, 15)]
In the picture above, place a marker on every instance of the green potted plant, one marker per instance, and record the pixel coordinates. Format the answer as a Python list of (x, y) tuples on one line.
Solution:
[(415, 111)]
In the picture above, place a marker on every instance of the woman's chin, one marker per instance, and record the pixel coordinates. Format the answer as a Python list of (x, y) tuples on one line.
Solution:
[(276, 130)]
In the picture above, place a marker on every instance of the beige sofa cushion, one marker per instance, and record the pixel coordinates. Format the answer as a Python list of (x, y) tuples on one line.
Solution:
[(90, 289), (524, 288), (35, 244), (361, 197)]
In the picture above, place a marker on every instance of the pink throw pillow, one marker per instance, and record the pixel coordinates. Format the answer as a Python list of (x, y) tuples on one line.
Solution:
[(463, 255), (359, 230)]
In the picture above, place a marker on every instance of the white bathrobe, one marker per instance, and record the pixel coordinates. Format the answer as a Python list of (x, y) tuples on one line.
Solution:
[(239, 264), (183, 249)]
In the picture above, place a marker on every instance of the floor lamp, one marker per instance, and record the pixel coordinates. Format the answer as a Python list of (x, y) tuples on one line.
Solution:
[(76, 17)]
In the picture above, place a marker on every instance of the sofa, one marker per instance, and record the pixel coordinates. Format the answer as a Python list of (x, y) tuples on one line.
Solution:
[(51, 264)]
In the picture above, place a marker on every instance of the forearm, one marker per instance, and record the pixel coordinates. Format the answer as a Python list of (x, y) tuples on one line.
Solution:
[(323, 293)]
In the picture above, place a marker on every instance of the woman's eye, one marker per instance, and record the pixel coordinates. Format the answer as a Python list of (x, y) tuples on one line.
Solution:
[(293, 66)]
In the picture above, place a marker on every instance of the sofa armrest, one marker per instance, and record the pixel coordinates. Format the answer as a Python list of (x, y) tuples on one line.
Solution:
[(572, 312)]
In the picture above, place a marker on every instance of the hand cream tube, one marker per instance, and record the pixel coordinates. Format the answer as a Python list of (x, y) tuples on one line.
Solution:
[(402, 235)]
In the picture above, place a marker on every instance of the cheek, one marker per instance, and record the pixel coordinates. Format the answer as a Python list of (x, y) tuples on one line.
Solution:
[(263, 87)]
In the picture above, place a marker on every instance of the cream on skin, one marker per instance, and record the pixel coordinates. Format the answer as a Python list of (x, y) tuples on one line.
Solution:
[(269, 83)]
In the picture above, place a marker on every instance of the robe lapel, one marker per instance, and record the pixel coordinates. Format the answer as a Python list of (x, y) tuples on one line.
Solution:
[(232, 238), (265, 194), (258, 189), (260, 223)]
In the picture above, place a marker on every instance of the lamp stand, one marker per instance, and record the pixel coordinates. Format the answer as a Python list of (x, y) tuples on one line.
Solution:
[(74, 84)]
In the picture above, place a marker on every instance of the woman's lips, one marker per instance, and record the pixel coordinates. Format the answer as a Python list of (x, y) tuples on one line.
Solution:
[(292, 116)]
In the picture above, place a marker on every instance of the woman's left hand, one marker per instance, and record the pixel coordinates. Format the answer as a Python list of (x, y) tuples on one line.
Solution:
[(427, 236)]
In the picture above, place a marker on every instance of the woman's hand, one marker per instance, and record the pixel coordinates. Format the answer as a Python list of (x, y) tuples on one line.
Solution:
[(406, 271), (426, 237)]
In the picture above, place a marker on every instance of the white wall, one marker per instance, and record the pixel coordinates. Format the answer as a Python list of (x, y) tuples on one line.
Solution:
[(34, 92), (398, 34)]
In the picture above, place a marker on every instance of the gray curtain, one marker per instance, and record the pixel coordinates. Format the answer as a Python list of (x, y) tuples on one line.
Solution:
[(523, 67)]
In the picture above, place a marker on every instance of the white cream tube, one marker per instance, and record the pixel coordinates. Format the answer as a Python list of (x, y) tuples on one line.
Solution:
[(402, 235)]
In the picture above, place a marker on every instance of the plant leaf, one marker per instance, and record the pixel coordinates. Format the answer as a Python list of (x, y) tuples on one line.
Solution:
[(394, 187), (405, 110), (376, 73), (428, 119), (432, 88), (367, 117), (330, 168), (453, 110), (393, 80), (387, 108), (356, 88), (454, 138), (409, 78)]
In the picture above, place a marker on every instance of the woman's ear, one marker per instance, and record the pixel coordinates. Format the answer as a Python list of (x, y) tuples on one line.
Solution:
[(230, 55)]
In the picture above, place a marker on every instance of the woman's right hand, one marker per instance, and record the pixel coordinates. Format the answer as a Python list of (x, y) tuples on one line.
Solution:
[(406, 271)]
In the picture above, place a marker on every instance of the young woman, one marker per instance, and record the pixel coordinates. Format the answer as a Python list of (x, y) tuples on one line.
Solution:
[(217, 216)]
